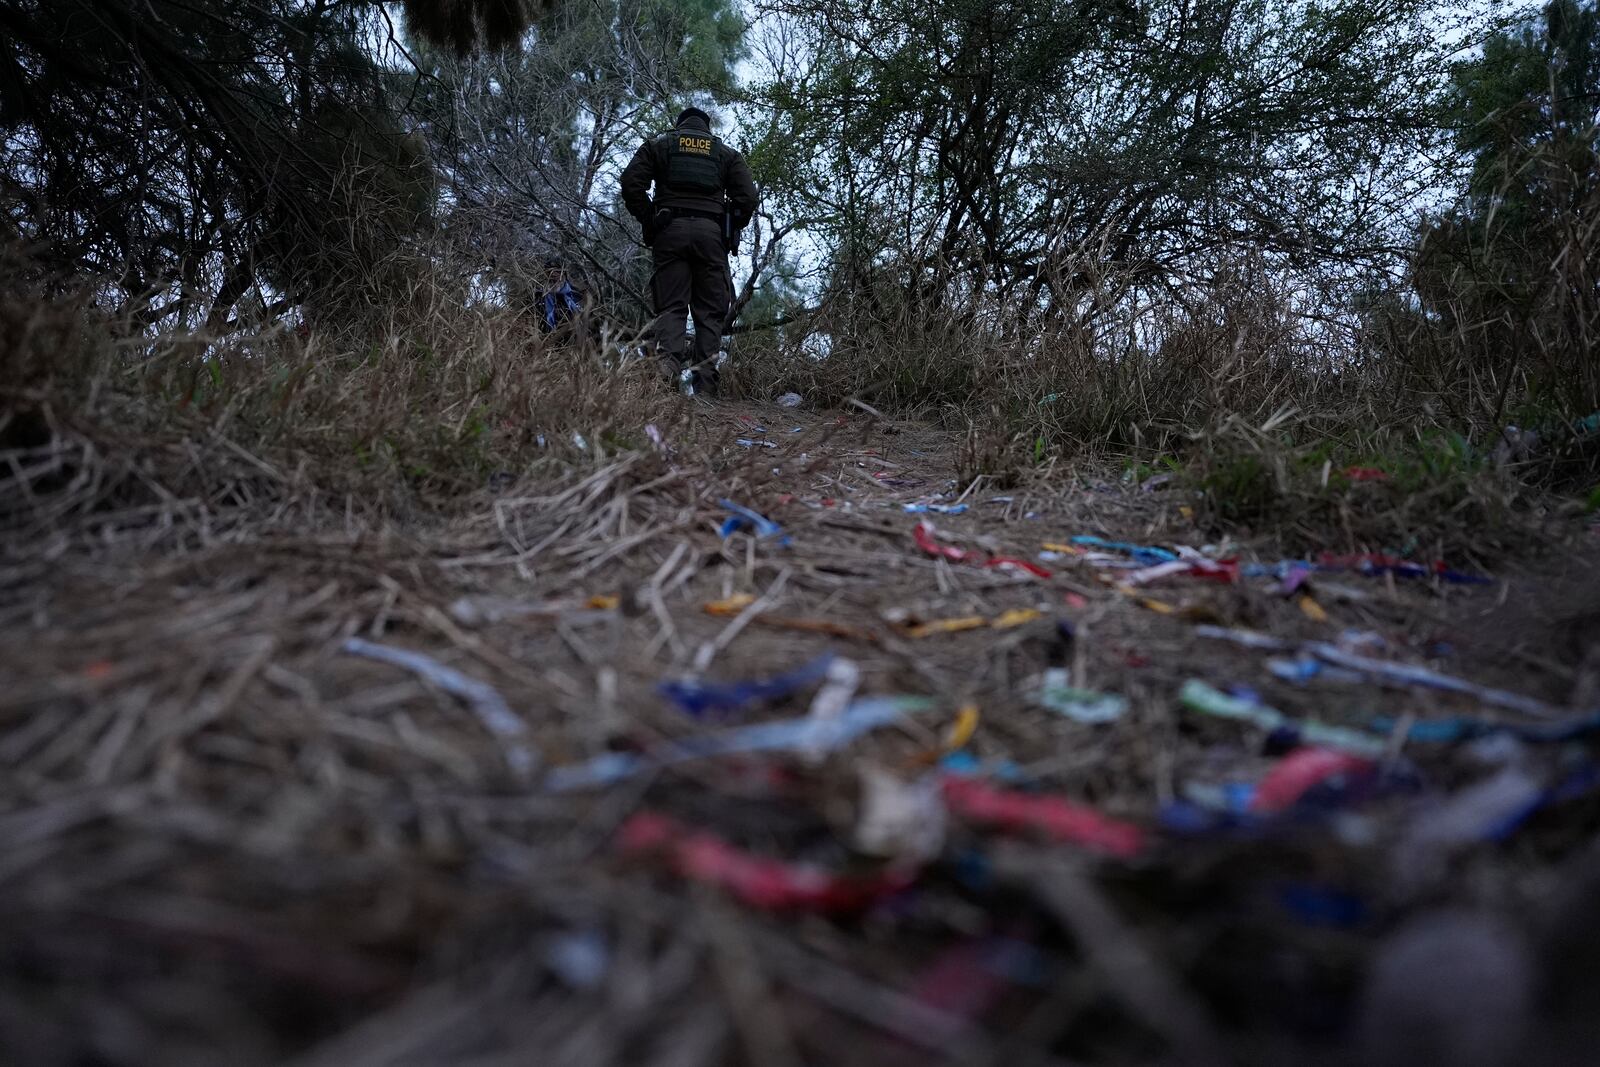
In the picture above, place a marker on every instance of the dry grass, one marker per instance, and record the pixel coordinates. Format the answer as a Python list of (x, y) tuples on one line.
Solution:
[(225, 841), (1248, 389), (1122, 368)]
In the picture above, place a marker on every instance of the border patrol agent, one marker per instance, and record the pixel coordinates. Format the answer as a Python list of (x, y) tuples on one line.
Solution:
[(704, 196)]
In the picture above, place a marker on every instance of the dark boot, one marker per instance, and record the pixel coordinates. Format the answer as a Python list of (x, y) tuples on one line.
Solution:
[(706, 381), (679, 374)]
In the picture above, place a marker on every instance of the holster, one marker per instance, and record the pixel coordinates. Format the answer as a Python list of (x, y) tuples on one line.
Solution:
[(658, 220)]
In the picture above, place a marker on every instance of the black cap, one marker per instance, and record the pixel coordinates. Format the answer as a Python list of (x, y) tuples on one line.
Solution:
[(693, 113)]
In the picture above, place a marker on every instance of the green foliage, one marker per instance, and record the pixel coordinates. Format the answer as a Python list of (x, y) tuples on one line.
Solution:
[(1524, 112), (1240, 488), (706, 37), (1434, 496), (1507, 289), (194, 157), (962, 146), (530, 141)]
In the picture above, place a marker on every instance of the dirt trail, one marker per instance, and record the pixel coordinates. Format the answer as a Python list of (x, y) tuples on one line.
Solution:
[(224, 839)]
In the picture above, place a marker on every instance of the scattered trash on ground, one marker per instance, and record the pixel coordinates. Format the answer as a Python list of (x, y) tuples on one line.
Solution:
[(1199, 784), (699, 697), (900, 820), (742, 518), (1385, 672), (484, 699), (1057, 693), (1148, 554), (1198, 696), (1004, 621), (927, 540), (841, 680), (758, 881), (1052, 817)]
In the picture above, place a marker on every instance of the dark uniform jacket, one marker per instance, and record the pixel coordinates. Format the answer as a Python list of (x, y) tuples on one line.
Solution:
[(692, 171)]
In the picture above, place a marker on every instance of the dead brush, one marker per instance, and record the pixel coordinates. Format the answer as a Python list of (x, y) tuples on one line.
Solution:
[(99, 418), (876, 341), (1106, 364), (1500, 316), (991, 450), (1154, 368)]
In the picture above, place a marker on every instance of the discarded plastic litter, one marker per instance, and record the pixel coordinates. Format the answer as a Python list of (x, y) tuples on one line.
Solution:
[(1198, 696), (1397, 674), (947, 626), (1142, 553), (1303, 668), (1147, 575), (1192, 564), (942, 509), (804, 734), (758, 881), (1310, 608), (729, 606), (860, 717), (485, 701), (745, 518), (1293, 578), (1014, 618), (1303, 770), (1055, 817), (1080, 705), (1477, 813), (1578, 782), (1012, 565), (579, 958), (697, 697), (842, 679), (899, 820), (925, 536), (1403, 674), (1007, 620), (481, 611), (1233, 797), (962, 729), (1245, 638), (1372, 563), (923, 533), (790, 400), (965, 764), (1467, 729), (605, 769)]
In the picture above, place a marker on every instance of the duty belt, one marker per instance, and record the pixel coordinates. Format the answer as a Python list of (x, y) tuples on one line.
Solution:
[(694, 213)]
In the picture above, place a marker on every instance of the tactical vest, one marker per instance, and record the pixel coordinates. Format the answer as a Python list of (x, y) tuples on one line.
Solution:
[(693, 163)]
